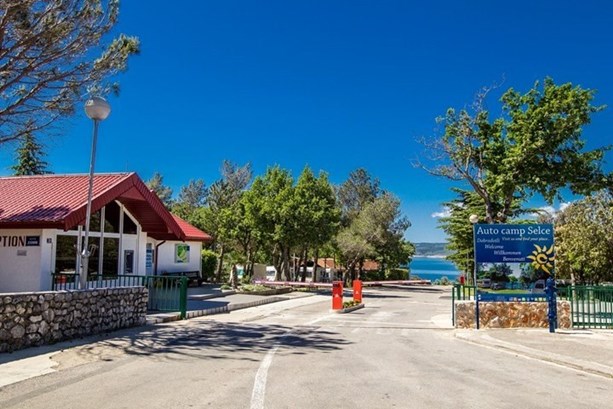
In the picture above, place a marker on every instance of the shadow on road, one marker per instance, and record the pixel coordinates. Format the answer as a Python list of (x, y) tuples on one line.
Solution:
[(214, 340)]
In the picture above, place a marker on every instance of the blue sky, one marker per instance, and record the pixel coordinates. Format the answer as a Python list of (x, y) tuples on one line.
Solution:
[(336, 85)]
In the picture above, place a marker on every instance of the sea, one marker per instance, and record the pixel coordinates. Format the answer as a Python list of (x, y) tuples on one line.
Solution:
[(433, 268)]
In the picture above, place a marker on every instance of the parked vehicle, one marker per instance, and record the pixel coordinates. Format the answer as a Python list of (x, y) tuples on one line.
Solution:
[(498, 286), (538, 286), (484, 283)]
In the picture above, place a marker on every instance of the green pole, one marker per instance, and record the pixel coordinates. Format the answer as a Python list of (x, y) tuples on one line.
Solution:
[(453, 306), (183, 298)]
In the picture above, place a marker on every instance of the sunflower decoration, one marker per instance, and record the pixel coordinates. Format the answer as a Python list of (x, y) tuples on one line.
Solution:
[(542, 258)]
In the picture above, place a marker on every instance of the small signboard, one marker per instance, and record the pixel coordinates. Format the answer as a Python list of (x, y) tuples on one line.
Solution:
[(515, 243), (32, 240)]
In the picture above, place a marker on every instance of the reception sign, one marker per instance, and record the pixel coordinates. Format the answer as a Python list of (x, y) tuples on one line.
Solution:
[(515, 243)]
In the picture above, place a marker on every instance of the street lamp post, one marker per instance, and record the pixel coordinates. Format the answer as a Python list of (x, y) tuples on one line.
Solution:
[(474, 219), (96, 109)]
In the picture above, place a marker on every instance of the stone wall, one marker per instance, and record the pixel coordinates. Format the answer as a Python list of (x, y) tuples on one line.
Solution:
[(510, 314), (37, 318)]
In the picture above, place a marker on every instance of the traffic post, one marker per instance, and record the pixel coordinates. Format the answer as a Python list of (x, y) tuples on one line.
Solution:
[(337, 295), (357, 290)]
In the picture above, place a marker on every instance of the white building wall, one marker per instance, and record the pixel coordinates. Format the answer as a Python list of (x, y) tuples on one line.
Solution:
[(166, 257), (20, 269), (47, 258), (142, 253)]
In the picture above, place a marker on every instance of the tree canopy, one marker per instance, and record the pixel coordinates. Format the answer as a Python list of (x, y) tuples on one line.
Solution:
[(535, 147), (30, 157), (584, 240), (53, 53), (156, 184)]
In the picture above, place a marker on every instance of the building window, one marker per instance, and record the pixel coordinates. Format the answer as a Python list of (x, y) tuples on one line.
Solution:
[(66, 254), (129, 227), (181, 253), (111, 258)]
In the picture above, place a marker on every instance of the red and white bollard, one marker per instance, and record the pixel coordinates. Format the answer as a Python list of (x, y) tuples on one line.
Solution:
[(357, 290), (337, 295)]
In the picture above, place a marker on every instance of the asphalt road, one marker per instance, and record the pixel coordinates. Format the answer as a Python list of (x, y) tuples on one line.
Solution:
[(398, 352)]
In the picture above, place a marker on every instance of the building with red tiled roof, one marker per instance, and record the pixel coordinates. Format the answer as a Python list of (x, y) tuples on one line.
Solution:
[(42, 220)]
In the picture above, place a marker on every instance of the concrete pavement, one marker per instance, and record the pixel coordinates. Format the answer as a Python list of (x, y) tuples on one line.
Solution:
[(32, 362), (588, 351), (582, 350)]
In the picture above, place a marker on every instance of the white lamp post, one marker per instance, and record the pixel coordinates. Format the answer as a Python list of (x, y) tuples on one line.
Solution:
[(96, 109), (474, 219)]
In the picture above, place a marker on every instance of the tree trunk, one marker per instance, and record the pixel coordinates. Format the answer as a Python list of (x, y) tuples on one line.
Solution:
[(305, 253), (277, 262), (285, 264), (315, 260), (222, 253), (297, 265), (234, 277)]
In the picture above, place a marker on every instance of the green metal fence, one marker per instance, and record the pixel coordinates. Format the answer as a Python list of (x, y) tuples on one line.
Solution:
[(460, 293), (61, 281), (166, 294), (591, 306)]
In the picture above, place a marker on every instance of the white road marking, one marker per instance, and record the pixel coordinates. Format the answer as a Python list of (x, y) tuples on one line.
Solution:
[(259, 384)]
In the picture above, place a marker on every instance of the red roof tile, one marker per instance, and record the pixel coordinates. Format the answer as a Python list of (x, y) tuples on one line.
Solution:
[(192, 232), (59, 201)]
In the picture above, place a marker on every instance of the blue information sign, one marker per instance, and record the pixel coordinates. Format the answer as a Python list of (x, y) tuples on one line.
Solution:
[(515, 243)]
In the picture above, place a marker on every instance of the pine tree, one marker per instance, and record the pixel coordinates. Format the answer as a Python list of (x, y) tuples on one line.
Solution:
[(29, 157)]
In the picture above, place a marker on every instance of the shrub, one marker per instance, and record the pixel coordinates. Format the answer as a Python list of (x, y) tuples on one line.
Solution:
[(351, 303), (209, 264), (397, 274), (443, 281)]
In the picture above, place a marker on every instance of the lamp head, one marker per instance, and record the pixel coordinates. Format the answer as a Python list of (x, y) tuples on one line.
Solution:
[(97, 108), (473, 218)]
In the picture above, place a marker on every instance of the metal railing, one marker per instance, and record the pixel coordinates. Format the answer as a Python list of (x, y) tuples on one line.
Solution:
[(166, 294), (591, 306), (63, 281)]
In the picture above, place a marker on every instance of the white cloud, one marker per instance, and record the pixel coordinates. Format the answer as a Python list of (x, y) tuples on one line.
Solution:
[(445, 212), (552, 210)]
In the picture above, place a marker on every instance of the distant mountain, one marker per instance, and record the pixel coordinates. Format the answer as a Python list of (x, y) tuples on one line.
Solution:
[(430, 249)]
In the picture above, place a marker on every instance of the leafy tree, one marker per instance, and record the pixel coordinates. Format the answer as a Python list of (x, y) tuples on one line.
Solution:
[(52, 54), (315, 213), (358, 190), (156, 184), (194, 194), (221, 216), (268, 207), (29, 157), (529, 274), (500, 272), (209, 262), (459, 229), (584, 240), (377, 228), (535, 147), (191, 197)]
